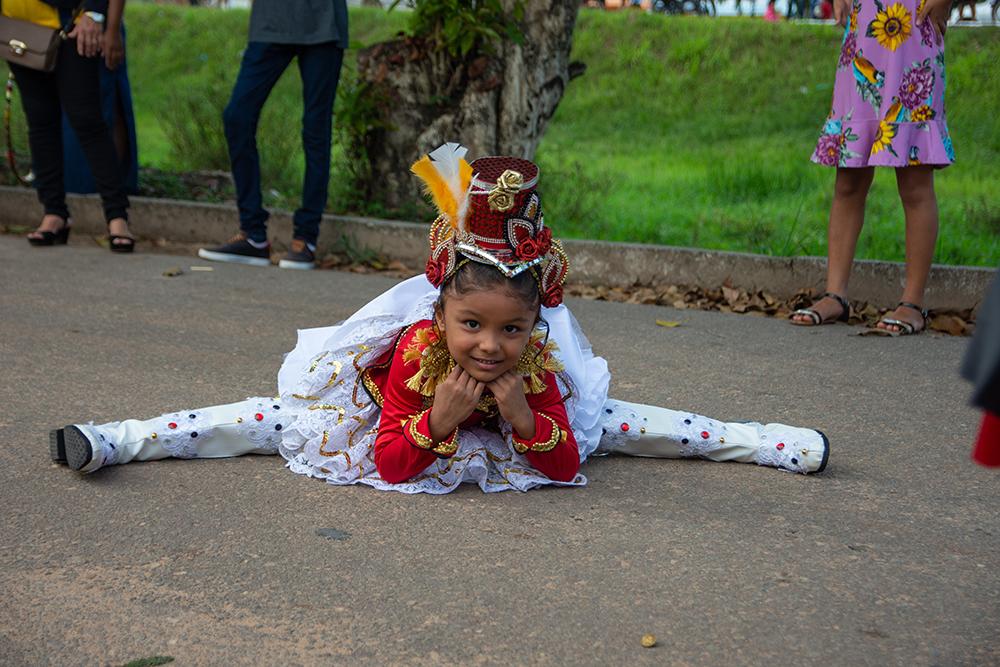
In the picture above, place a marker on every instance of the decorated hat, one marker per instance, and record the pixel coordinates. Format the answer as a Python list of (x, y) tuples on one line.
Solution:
[(490, 212)]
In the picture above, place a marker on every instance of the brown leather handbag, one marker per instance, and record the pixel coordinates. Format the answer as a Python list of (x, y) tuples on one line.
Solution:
[(30, 44)]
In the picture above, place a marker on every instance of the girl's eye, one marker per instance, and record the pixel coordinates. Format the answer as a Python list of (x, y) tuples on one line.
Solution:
[(512, 329), (472, 324)]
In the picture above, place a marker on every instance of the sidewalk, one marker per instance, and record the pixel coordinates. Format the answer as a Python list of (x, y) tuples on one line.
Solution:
[(593, 262), (890, 557)]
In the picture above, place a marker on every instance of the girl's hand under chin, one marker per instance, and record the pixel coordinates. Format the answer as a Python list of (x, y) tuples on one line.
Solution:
[(454, 401), (508, 389)]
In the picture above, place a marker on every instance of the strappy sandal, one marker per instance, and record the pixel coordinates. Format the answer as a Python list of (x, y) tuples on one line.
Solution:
[(117, 243), (46, 238), (905, 328), (817, 319)]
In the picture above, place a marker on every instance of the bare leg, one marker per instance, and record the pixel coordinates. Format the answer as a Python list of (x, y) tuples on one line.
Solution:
[(916, 191), (847, 216)]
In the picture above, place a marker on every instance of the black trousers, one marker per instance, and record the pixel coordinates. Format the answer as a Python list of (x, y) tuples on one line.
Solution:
[(73, 87)]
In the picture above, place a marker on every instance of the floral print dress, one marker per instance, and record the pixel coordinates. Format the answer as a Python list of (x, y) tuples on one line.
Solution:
[(888, 96)]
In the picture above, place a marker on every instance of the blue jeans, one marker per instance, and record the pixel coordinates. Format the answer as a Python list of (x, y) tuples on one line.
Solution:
[(263, 64)]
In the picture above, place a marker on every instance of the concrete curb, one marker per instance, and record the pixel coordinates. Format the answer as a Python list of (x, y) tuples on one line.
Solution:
[(593, 262)]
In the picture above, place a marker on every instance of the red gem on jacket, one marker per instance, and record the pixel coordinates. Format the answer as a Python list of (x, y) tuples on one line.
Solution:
[(625, 427), (259, 417), (172, 425), (780, 445), (704, 435)]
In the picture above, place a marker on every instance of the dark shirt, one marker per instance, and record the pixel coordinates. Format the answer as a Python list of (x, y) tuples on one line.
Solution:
[(299, 22)]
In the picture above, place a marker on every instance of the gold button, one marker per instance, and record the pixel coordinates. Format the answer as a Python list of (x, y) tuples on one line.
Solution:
[(722, 440), (805, 451), (239, 420), (153, 436), (642, 429)]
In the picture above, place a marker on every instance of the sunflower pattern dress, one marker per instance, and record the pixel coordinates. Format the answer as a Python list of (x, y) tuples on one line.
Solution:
[(888, 96)]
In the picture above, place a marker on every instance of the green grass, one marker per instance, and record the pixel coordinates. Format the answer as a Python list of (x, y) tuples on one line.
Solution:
[(695, 132), (682, 131)]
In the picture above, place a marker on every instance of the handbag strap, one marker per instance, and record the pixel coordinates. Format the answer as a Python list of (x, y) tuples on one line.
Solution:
[(9, 94)]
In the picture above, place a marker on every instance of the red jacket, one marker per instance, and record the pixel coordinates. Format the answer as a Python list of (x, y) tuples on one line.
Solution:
[(404, 448)]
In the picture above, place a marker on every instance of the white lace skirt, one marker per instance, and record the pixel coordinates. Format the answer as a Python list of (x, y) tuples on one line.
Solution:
[(333, 435)]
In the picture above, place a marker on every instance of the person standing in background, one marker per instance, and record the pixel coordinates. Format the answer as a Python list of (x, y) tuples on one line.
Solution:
[(888, 111), (315, 33), (116, 107), (73, 88)]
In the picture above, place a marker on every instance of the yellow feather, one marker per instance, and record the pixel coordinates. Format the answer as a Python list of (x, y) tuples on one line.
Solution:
[(464, 175), (437, 187)]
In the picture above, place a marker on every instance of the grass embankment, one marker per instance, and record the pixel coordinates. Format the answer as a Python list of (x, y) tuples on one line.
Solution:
[(683, 131), (697, 132)]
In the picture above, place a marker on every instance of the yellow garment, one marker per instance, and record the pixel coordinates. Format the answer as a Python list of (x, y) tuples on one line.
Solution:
[(35, 11)]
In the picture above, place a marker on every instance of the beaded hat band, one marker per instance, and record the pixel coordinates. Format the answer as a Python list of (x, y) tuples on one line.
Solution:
[(490, 212)]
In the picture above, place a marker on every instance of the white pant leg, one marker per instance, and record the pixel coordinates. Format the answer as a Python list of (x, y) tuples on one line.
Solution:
[(646, 430), (252, 426)]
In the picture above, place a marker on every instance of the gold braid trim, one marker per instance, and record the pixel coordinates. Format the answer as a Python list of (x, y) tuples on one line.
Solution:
[(430, 350), (557, 436), (536, 361), (444, 448), (434, 361)]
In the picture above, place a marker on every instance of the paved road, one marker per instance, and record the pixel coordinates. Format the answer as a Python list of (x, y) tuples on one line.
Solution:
[(891, 557)]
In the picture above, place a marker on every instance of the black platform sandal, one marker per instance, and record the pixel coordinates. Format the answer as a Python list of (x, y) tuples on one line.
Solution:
[(905, 328), (122, 244), (58, 237), (70, 446), (816, 319)]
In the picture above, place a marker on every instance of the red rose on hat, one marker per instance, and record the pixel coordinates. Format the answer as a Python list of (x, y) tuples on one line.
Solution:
[(553, 296), (544, 240), (527, 250), (435, 271)]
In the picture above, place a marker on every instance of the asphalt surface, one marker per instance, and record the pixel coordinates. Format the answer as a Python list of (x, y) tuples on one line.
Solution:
[(888, 558)]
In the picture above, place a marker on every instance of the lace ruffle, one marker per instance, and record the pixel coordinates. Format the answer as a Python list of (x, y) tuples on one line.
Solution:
[(333, 435)]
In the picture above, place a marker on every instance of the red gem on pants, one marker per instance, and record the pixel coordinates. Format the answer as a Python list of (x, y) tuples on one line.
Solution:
[(625, 427), (172, 425), (704, 435), (259, 417), (780, 445)]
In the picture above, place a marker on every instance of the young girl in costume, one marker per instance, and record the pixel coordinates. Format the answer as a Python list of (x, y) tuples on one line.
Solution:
[(473, 372), (888, 111)]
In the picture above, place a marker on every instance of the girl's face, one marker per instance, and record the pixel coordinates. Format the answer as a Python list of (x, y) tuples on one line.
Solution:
[(486, 331)]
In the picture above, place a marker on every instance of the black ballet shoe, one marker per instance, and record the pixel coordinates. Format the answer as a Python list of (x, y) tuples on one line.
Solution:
[(57, 446), (58, 237), (76, 447)]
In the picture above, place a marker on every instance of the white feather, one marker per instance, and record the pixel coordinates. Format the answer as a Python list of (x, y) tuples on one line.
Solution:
[(446, 159), (463, 205)]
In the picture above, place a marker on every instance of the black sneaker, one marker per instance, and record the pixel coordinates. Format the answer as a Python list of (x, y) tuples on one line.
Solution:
[(238, 250), (298, 257)]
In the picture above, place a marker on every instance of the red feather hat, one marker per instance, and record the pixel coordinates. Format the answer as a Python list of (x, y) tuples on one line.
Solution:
[(490, 212)]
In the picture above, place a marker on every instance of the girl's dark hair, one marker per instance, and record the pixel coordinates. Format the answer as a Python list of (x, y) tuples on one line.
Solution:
[(474, 277)]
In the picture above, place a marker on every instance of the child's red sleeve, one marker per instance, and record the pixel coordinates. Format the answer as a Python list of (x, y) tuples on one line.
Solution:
[(404, 447), (553, 451)]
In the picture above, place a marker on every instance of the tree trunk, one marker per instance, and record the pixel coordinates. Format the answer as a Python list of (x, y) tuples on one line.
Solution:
[(497, 104)]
